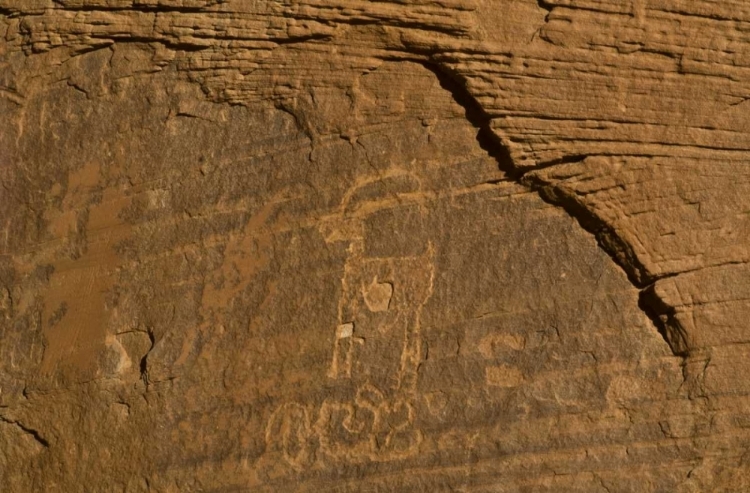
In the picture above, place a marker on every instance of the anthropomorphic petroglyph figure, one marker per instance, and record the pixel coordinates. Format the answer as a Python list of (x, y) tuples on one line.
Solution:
[(377, 347), (375, 355)]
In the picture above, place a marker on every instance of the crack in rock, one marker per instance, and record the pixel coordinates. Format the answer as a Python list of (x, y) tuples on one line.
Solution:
[(609, 241), (35, 434)]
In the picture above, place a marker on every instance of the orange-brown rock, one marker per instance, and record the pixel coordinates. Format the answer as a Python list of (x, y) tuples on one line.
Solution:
[(374, 245)]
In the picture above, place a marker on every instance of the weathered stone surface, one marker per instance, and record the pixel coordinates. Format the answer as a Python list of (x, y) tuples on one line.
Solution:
[(349, 245)]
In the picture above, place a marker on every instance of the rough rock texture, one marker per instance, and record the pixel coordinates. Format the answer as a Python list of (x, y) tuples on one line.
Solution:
[(360, 245)]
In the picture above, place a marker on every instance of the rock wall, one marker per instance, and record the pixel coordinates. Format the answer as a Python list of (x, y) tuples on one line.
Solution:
[(359, 245)]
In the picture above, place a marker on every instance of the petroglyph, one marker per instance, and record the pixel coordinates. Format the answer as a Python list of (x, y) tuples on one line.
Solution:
[(378, 295), (379, 312)]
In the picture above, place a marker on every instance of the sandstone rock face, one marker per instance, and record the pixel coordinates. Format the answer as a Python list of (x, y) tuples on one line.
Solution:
[(359, 245)]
